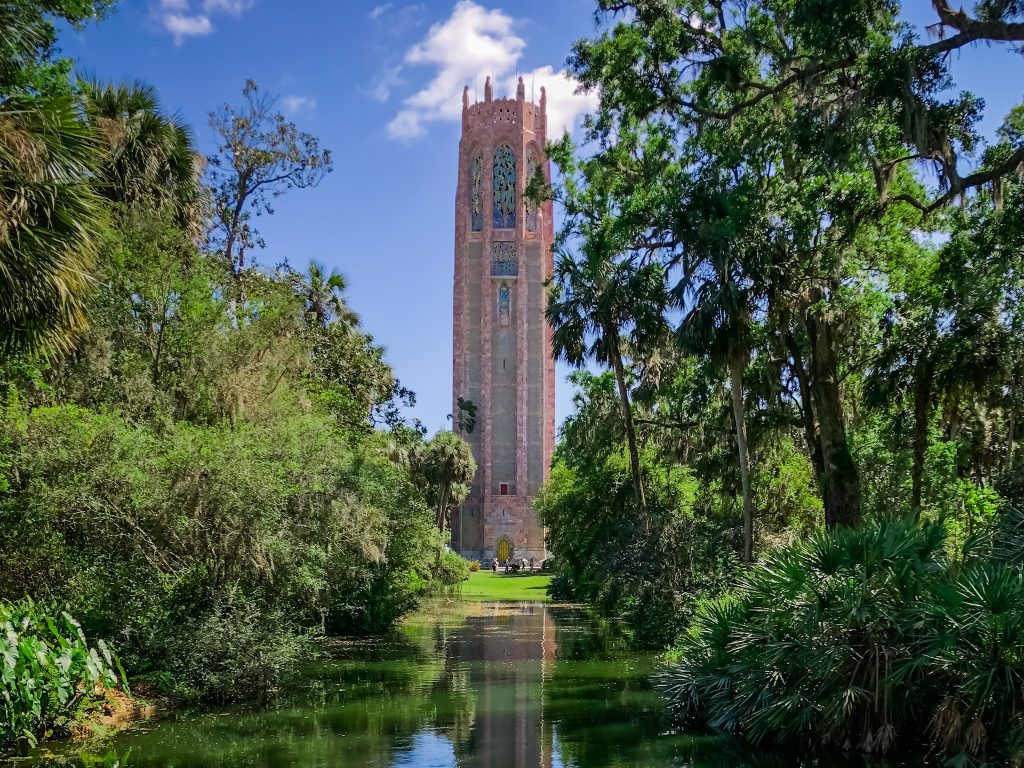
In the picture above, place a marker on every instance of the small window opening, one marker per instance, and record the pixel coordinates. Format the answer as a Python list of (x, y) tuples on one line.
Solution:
[(503, 489)]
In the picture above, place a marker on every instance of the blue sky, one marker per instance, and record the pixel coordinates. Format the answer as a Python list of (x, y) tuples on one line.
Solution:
[(380, 83)]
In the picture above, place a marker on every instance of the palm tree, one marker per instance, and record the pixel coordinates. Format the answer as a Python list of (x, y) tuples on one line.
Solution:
[(447, 466), (324, 294), (718, 324), (149, 154), (592, 300), (50, 221)]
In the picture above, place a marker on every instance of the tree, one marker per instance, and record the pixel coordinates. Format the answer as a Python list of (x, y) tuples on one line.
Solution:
[(29, 64), (466, 416), (259, 156), (148, 152), (51, 224), (446, 464), (823, 108), (599, 290), (324, 295), (50, 215), (719, 324)]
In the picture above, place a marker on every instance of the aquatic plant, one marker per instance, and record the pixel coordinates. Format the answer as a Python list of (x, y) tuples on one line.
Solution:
[(48, 671)]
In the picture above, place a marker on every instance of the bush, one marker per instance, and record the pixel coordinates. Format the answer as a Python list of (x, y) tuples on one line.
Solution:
[(644, 565), (235, 653), (182, 532), (451, 571), (48, 672), (863, 639), (474, 566)]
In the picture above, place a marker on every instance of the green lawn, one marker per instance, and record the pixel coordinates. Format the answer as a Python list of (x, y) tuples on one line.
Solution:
[(486, 585)]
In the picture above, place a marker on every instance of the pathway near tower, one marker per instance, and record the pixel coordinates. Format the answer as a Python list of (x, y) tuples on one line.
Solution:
[(467, 684)]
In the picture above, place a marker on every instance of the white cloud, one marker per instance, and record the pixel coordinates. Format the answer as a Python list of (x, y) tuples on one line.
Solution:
[(292, 104), (396, 20), (382, 84), (468, 46), (193, 18), (183, 26), (472, 41), (232, 7), (565, 106)]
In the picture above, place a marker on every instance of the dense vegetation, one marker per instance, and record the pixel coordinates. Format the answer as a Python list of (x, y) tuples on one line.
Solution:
[(799, 262), (863, 639), (202, 460), (49, 672)]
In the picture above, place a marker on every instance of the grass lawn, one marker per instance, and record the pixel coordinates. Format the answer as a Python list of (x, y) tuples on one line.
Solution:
[(487, 585)]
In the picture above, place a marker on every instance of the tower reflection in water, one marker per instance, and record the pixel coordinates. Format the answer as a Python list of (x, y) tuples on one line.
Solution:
[(504, 652)]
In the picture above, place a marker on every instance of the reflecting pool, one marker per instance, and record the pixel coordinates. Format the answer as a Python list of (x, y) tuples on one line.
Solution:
[(488, 685)]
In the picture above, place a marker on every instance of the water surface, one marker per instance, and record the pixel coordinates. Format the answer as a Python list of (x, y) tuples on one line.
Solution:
[(495, 685)]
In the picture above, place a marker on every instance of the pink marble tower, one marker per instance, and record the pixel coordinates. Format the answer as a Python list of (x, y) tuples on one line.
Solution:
[(502, 343)]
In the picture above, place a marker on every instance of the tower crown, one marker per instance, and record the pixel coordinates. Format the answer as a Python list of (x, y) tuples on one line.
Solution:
[(501, 112)]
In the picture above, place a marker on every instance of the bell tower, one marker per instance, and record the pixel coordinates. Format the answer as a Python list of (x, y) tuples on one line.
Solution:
[(502, 344)]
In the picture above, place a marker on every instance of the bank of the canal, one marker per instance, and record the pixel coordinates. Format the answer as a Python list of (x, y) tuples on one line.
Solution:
[(464, 682)]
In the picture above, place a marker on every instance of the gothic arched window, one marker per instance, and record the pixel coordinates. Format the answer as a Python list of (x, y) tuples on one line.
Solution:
[(476, 191), (504, 187), (530, 207), (504, 303)]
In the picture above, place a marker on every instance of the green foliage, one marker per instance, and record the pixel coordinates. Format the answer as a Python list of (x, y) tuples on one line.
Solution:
[(644, 564), (54, 219), (452, 570), (234, 653), (48, 672), (867, 639), (203, 480), (446, 467), (147, 154)]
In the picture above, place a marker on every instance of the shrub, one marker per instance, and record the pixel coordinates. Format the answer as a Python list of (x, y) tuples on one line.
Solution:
[(474, 566), (863, 639), (451, 570), (235, 653), (643, 565), (154, 535), (48, 672)]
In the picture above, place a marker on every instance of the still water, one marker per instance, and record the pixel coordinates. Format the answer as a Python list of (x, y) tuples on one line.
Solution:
[(495, 685)]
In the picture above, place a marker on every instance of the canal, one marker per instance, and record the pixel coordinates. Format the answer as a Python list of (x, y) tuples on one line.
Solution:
[(488, 684)]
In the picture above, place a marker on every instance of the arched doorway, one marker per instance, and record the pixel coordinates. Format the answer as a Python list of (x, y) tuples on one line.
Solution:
[(504, 551)]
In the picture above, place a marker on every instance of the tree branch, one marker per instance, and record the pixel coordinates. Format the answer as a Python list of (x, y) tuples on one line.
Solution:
[(970, 30)]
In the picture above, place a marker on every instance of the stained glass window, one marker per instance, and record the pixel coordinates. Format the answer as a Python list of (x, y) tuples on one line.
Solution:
[(503, 260), (530, 206), (504, 187), (476, 191), (504, 302)]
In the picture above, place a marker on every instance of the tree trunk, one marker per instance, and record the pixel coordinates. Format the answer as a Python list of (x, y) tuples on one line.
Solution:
[(807, 411), (841, 481), (442, 503), (238, 301), (160, 345), (627, 418), (736, 367), (922, 407), (1011, 427)]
